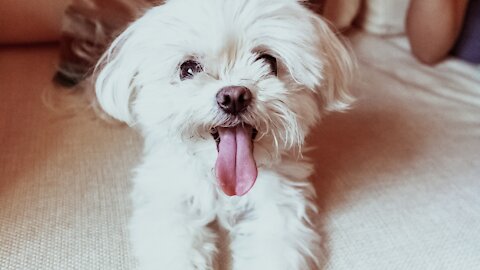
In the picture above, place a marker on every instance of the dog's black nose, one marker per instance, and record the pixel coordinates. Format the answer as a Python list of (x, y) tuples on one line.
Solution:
[(234, 99)]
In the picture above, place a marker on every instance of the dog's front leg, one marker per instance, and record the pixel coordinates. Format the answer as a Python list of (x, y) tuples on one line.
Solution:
[(272, 232), (168, 233)]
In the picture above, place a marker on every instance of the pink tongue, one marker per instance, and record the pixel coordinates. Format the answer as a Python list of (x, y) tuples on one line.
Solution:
[(235, 168)]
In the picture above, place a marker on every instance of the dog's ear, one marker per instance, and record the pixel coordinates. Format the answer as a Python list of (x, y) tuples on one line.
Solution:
[(338, 67), (115, 73)]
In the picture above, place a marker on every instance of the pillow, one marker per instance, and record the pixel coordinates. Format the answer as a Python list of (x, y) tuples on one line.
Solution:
[(383, 17)]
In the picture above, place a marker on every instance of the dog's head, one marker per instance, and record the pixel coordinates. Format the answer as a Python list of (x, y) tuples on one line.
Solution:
[(240, 73)]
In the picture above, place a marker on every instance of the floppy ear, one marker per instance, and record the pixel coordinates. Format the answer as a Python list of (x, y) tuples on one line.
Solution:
[(115, 77), (338, 67)]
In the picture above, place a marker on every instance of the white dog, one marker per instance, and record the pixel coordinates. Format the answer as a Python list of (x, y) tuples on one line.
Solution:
[(224, 92)]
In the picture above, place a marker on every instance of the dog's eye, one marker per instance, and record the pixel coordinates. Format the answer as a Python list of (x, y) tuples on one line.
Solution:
[(269, 60), (189, 68)]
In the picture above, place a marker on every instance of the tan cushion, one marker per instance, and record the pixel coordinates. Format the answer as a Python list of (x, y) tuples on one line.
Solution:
[(63, 178)]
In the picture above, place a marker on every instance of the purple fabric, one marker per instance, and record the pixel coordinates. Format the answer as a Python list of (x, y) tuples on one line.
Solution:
[(468, 43)]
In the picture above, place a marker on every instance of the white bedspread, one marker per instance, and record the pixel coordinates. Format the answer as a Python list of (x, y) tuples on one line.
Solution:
[(398, 177)]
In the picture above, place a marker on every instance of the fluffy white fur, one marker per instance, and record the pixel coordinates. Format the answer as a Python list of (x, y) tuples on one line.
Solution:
[(175, 194)]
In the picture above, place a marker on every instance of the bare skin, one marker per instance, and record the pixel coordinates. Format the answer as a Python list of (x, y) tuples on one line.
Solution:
[(25, 21), (433, 27)]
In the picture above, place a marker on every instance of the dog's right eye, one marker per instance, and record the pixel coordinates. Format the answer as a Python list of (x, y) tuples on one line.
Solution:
[(269, 60), (189, 68)]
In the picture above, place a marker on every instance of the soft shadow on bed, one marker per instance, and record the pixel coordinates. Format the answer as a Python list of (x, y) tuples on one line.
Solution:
[(351, 145)]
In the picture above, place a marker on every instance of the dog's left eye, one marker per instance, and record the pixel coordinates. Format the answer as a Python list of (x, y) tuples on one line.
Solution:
[(189, 68), (269, 60)]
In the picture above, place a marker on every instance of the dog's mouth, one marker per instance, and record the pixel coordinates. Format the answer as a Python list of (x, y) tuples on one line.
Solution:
[(216, 135), (235, 168)]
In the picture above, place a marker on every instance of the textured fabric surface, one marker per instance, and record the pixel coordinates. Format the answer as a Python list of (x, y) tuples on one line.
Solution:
[(398, 177), (63, 179)]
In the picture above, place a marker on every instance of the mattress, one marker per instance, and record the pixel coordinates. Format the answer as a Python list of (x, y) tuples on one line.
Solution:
[(397, 176)]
